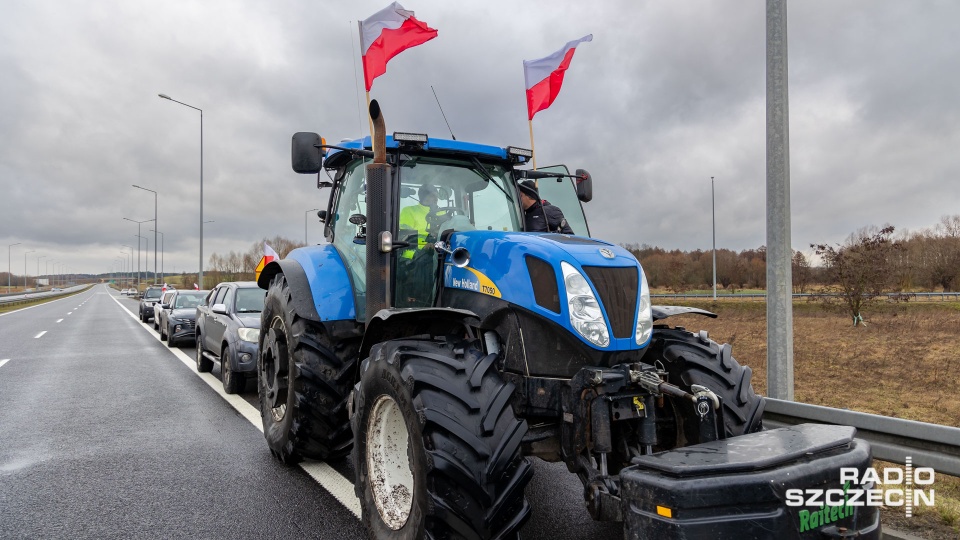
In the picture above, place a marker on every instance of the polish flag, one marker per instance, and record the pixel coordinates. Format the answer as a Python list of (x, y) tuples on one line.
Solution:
[(544, 76), (269, 254), (386, 34)]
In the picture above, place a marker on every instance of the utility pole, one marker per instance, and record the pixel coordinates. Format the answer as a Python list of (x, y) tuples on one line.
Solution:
[(779, 249)]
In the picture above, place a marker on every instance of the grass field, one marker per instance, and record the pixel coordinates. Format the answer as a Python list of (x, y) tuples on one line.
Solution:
[(904, 363)]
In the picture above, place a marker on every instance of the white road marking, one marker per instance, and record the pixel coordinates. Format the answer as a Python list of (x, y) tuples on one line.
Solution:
[(58, 320), (4, 361), (40, 334), (329, 479), (71, 313)]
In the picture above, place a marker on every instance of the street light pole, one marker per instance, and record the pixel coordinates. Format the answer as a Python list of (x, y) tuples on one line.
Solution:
[(305, 214), (164, 96), (154, 232), (138, 246), (25, 270), (713, 208), (9, 273), (162, 273), (129, 256), (38, 269)]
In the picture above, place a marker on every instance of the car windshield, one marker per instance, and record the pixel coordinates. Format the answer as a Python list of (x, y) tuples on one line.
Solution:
[(188, 300), (152, 293), (250, 300)]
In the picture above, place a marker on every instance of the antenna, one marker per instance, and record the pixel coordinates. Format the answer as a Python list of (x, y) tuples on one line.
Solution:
[(452, 136)]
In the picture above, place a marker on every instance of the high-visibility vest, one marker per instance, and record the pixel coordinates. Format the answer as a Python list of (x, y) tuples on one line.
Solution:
[(415, 217)]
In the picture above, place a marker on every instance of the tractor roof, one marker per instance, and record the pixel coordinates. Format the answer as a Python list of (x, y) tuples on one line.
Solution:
[(336, 158)]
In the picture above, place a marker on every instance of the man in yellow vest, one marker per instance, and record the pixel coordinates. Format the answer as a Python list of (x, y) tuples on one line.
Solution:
[(416, 266), (415, 217)]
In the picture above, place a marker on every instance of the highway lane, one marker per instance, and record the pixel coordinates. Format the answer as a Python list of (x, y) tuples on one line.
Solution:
[(157, 409), (105, 433)]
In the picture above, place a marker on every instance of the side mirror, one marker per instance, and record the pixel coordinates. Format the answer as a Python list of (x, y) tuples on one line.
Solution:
[(584, 185), (305, 152), (322, 215), (219, 309), (164, 306)]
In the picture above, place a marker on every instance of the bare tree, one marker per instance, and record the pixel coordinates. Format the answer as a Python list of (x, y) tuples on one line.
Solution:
[(860, 268)]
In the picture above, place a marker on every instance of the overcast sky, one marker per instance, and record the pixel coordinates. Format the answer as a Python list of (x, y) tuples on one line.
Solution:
[(667, 95)]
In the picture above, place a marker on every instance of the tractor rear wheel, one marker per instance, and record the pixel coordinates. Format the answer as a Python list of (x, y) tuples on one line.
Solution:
[(436, 444), (695, 359), (303, 385)]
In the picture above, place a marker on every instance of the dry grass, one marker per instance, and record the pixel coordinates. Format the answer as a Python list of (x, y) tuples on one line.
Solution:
[(904, 363)]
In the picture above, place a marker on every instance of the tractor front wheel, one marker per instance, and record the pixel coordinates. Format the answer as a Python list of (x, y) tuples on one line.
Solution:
[(303, 385), (436, 444)]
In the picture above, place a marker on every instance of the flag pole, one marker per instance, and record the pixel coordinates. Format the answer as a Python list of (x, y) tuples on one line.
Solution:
[(532, 150), (364, 65)]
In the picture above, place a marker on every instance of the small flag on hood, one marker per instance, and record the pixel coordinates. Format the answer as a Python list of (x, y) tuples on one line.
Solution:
[(544, 76), (268, 253), (386, 34)]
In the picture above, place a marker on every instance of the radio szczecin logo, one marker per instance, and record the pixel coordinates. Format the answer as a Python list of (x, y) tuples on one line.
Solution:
[(906, 487)]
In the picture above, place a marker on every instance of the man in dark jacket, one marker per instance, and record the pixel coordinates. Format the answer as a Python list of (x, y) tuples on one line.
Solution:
[(540, 216)]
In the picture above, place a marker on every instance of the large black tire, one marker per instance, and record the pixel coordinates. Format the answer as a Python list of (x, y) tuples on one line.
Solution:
[(233, 382), (304, 379), (459, 442), (696, 359)]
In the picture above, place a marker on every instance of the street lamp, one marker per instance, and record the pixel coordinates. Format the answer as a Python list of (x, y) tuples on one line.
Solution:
[(713, 208), (162, 273), (305, 214), (38, 269), (25, 270), (129, 256), (144, 238), (8, 264), (164, 96), (154, 232), (138, 246)]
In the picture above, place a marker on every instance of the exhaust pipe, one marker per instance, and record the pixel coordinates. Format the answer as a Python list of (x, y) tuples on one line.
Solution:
[(380, 191)]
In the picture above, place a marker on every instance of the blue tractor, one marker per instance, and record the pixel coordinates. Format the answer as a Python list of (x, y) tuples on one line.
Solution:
[(444, 347)]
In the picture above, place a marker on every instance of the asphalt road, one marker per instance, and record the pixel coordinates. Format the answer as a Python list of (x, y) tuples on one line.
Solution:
[(105, 432)]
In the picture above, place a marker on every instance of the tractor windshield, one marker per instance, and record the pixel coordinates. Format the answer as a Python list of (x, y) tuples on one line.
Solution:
[(435, 195), (455, 194)]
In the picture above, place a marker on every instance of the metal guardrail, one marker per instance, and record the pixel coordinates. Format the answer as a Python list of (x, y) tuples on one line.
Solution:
[(942, 296), (892, 439), (28, 298)]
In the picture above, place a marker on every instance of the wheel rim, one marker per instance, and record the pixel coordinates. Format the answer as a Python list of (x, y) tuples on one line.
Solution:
[(273, 370), (388, 464)]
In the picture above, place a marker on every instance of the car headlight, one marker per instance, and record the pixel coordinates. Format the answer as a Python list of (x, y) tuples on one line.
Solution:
[(586, 316), (645, 313), (251, 335)]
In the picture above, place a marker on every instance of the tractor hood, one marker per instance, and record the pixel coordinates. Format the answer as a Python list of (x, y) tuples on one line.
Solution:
[(528, 270)]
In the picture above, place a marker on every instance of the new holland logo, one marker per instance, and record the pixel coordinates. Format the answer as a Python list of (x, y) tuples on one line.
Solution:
[(606, 253)]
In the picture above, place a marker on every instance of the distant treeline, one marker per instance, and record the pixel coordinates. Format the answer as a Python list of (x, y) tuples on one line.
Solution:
[(925, 260)]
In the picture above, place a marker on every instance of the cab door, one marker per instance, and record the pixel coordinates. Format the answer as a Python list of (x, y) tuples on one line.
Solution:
[(562, 192), (217, 324)]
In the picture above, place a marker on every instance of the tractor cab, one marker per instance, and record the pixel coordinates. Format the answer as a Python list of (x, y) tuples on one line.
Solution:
[(438, 187)]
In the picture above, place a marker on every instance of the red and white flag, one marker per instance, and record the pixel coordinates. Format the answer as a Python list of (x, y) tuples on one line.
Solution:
[(196, 287), (269, 254), (544, 76), (386, 34)]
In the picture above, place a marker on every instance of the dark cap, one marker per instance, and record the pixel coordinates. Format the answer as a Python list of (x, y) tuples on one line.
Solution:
[(529, 188), (427, 190)]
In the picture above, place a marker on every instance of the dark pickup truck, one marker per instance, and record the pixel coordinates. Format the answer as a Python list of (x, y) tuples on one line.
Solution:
[(228, 329)]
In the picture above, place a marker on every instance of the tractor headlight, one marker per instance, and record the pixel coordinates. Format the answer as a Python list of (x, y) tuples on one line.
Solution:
[(585, 314), (645, 313), (251, 335)]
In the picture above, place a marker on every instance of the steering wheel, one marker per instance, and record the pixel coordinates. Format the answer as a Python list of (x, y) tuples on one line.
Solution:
[(437, 217)]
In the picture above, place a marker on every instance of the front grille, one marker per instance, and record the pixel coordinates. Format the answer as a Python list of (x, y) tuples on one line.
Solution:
[(617, 287)]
